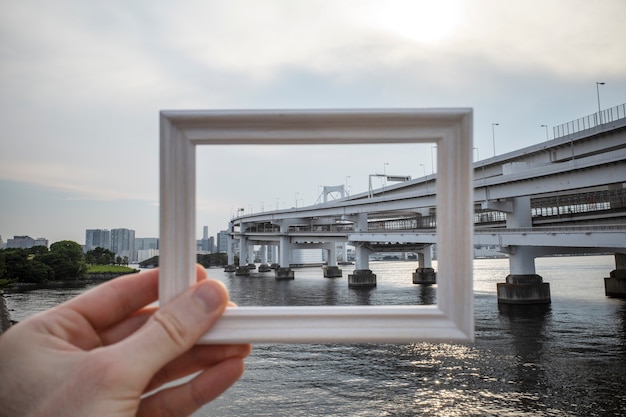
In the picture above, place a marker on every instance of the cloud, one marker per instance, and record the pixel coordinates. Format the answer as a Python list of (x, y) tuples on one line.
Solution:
[(83, 82)]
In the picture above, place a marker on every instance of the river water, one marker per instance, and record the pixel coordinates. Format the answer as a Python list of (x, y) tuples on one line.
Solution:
[(565, 359)]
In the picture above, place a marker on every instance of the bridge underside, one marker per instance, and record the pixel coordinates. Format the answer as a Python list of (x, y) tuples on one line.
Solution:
[(395, 247)]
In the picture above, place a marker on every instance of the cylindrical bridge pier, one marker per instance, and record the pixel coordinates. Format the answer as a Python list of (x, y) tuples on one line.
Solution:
[(615, 284)]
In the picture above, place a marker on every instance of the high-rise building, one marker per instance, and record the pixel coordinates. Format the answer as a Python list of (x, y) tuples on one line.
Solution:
[(97, 238), (146, 248), (222, 241), (145, 243), (123, 243), (26, 242), (205, 240)]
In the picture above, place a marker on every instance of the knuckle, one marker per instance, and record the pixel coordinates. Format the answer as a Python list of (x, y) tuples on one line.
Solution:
[(175, 329)]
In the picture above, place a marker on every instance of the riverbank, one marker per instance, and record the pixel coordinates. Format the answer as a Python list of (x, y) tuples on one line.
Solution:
[(95, 275)]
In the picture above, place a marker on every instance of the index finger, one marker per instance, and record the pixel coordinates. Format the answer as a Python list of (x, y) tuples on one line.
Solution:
[(110, 302)]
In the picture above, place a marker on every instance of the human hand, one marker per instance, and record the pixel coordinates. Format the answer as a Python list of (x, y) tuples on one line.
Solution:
[(104, 353)]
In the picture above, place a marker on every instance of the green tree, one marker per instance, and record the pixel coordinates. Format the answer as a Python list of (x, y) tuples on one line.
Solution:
[(100, 256), (212, 259), (66, 260), (37, 250), (19, 265)]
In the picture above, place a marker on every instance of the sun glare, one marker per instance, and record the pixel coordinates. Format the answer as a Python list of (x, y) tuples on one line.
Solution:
[(426, 22)]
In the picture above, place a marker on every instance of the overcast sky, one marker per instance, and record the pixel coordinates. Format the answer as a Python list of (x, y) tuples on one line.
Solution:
[(82, 83)]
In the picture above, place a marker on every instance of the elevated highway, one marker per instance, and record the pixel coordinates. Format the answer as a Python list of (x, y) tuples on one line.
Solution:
[(566, 195)]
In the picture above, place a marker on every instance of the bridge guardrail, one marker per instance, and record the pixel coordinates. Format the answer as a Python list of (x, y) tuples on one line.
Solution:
[(542, 208), (591, 121)]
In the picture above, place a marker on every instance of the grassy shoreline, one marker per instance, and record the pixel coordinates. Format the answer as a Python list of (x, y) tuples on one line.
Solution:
[(110, 269)]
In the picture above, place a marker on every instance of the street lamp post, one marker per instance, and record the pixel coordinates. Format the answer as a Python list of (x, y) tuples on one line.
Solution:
[(546, 126), (432, 159), (424, 166), (346, 189), (598, 84), (493, 136), (384, 182)]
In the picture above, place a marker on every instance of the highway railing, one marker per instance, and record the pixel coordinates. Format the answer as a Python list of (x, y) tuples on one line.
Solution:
[(591, 121)]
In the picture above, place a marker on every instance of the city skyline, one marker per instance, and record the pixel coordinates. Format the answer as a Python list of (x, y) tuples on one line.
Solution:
[(82, 94)]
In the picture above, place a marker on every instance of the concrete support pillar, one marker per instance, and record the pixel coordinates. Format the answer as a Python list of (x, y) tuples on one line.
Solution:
[(615, 284), (425, 257), (274, 258), (230, 251), (243, 245), (284, 252), (242, 270), (284, 271), (269, 251), (362, 275), (425, 274), (332, 254), (362, 257), (523, 285), (521, 215), (523, 289), (362, 278), (250, 258), (522, 260), (361, 252), (332, 270)]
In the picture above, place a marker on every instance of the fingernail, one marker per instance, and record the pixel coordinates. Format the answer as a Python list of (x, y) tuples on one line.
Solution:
[(209, 295)]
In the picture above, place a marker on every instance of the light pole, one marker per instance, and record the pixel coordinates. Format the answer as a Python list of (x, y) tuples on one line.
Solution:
[(493, 136), (384, 180), (346, 190), (424, 166), (598, 84), (477, 157), (297, 199), (546, 126), (432, 159)]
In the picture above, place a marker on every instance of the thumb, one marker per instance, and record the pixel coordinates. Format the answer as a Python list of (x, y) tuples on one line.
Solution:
[(174, 328)]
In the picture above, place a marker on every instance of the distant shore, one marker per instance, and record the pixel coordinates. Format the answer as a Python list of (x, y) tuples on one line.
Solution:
[(95, 275)]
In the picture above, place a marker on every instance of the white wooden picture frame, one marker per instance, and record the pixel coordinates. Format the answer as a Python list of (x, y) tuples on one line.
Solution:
[(450, 320)]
